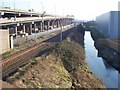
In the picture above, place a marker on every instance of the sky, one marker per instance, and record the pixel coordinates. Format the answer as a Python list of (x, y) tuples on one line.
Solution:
[(81, 9)]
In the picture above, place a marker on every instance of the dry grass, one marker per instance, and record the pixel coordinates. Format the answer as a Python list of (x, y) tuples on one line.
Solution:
[(62, 67)]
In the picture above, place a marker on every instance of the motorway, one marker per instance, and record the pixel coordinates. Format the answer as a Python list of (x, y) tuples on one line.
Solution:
[(11, 21)]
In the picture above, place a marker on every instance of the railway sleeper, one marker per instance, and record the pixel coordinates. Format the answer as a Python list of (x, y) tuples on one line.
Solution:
[(14, 64)]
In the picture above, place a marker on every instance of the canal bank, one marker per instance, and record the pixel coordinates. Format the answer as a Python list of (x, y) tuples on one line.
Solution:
[(107, 49), (98, 65)]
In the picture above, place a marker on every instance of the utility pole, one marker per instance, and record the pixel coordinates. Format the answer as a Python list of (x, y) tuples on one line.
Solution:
[(62, 27), (55, 17), (35, 30), (14, 12), (42, 16), (63, 19), (61, 32), (61, 35)]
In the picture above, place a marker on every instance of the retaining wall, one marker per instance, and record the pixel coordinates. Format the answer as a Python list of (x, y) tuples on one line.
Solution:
[(4, 41)]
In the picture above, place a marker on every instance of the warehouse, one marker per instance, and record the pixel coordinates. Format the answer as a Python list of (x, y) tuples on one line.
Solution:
[(108, 24)]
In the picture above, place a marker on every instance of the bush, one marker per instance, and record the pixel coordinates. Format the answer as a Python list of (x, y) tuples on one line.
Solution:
[(21, 71), (33, 61), (17, 75)]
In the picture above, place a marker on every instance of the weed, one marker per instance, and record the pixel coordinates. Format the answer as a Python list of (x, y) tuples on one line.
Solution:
[(33, 61), (17, 75)]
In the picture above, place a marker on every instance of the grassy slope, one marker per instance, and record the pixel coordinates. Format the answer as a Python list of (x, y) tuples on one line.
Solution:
[(73, 58)]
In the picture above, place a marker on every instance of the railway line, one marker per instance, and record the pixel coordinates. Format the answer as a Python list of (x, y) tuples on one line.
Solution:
[(12, 63), (15, 61)]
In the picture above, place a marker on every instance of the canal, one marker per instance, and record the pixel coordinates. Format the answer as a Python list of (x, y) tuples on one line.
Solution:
[(99, 66)]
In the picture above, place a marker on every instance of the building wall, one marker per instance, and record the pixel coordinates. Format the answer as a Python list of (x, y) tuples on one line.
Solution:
[(102, 23), (4, 41), (107, 24), (119, 6), (113, 30)]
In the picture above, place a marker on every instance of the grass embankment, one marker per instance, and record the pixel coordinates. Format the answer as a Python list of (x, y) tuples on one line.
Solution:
[(96, 35), (62, 67)]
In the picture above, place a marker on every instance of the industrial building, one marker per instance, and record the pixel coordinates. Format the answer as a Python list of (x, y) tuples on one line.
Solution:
[(108, 24), (17, 25)]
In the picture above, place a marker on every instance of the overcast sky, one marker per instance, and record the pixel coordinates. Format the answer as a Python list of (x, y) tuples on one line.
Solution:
[(81, 9)]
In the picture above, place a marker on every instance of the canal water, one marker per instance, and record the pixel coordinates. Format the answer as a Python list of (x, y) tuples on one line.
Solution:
[(99, 67)]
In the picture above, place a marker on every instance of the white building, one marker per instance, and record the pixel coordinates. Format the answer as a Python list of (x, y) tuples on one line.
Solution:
[(108, 24)]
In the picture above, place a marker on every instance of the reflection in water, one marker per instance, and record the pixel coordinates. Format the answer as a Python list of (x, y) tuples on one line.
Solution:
[(98, 66)]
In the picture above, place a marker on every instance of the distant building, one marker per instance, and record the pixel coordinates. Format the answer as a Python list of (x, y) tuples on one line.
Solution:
[(108, 24)]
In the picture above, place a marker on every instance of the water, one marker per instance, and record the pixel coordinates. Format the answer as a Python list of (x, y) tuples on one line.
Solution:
[(99, 66)]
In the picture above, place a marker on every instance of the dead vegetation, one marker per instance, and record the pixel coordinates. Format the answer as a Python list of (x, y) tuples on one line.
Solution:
[(62, 67)]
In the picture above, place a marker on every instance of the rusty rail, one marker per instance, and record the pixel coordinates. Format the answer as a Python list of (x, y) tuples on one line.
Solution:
[(12, 63)]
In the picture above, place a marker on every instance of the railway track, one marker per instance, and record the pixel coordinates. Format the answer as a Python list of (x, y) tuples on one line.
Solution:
[(12, 63)]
